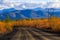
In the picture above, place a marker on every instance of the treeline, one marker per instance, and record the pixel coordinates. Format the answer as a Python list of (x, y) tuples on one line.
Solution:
[(52, 23)]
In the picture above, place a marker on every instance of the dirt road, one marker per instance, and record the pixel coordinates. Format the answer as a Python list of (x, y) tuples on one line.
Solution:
[(31, 34)]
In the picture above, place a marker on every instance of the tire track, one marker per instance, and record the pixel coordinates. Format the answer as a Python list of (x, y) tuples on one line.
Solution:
[(17, 35), (9, 35), (28, 35), (32, 34), (47, 35), (37, 36), (23, 34)]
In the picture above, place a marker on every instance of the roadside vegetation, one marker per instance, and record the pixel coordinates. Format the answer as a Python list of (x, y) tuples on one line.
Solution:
[(52, 23)]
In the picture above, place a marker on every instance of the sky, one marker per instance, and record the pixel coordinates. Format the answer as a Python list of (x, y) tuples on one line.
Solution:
[(36, 1), (11, 3)]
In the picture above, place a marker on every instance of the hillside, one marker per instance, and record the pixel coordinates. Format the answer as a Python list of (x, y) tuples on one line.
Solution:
[(29, 13)]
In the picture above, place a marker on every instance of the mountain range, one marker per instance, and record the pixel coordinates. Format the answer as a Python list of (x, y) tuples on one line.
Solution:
[(28, 11)]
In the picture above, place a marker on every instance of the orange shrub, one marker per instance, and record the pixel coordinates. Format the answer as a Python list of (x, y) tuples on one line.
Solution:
[(53, 23), (2, 27)]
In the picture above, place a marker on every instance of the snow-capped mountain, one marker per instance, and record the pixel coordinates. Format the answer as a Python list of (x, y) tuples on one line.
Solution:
[(29, 10), (26, 13)]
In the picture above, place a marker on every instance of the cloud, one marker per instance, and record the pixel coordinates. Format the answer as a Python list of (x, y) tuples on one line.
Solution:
[(54, 5), (11, 5), (36, 1), (57, 1), (43, 3), (3, 7)]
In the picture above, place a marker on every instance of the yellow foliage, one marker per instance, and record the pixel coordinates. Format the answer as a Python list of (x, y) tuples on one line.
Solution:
[(2, 27), (53, 23)]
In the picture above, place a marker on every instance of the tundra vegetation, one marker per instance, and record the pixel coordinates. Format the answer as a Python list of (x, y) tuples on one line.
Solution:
[(53, 23)]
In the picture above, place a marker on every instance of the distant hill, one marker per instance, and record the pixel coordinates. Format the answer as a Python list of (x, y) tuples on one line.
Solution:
[(29, 13)]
